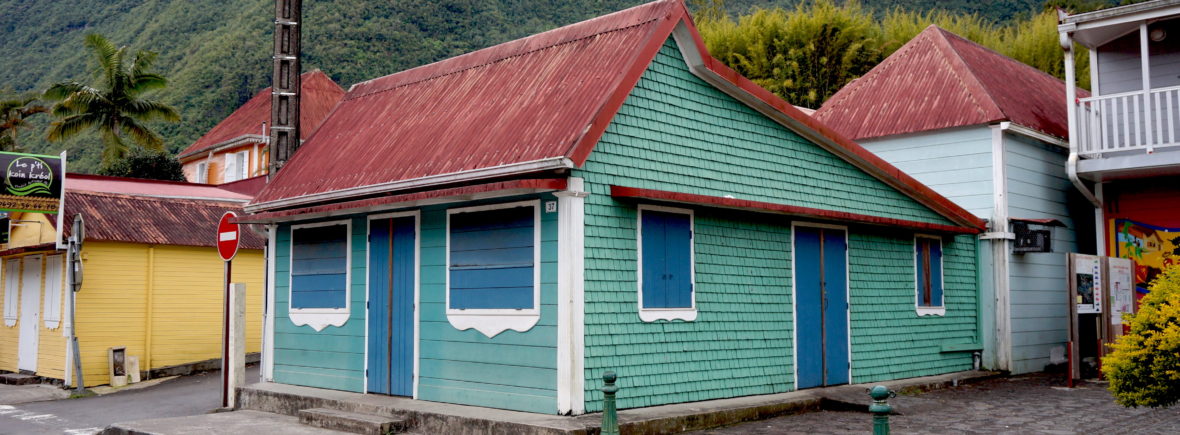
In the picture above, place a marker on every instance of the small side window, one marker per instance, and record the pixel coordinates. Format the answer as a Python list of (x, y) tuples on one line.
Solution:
[(666, 266), (928, 276)]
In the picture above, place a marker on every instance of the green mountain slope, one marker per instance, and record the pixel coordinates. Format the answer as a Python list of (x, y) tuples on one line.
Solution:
[(217, 54)]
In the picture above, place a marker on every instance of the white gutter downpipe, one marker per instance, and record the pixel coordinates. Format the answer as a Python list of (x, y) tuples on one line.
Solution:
[(1071, 165)]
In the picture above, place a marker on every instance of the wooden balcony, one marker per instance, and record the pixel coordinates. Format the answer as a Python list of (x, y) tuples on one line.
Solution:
[(1130, 134)]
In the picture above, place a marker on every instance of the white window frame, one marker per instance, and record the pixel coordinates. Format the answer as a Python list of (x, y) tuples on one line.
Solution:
[(320, 318), (653, 314), (202, 172), (11, 291), (491, 322), (240, 171), (54, 285), (939, 310)]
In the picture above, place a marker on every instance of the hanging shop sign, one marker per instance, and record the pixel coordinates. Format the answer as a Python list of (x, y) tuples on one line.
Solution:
[(32, 183)]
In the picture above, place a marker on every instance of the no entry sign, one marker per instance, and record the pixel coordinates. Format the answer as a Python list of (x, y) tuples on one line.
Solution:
[(227, 236)]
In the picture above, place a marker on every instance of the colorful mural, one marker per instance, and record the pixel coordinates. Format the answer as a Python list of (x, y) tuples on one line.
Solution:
[(1152, 248)]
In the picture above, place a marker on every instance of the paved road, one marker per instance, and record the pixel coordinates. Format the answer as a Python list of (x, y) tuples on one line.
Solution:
[(187, 395), (1035, 404)]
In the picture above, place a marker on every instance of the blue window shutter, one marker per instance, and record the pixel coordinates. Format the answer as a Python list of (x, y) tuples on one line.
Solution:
[(667, 260), (654, 260), (678, 236), (492, 264), (936, 273), (319, 269), (920, 276)]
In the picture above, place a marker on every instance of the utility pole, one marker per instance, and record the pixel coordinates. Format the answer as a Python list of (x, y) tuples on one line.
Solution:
[(285, 84)]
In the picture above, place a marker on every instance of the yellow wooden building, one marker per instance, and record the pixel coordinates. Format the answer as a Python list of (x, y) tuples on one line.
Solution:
[(152, 279)]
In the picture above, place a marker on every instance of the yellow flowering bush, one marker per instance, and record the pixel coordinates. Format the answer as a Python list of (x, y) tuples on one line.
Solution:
[(1144, 369)]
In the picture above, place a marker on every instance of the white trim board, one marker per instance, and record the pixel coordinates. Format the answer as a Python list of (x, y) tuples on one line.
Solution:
[(571, 234)]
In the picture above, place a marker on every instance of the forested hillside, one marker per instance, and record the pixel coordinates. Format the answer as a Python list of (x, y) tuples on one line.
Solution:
[(217, 54)]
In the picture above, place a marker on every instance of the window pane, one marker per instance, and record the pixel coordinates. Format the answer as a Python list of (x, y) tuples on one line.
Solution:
[(319, 269), (492, 259), (928, 260)]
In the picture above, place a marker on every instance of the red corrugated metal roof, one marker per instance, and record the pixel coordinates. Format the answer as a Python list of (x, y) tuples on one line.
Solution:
[(320, 95), (520, 101), (548, 96), (940, 80), (115, 217), (156, 188)]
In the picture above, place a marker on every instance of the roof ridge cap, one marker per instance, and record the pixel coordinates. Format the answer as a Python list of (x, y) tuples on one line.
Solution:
[(966, 75)]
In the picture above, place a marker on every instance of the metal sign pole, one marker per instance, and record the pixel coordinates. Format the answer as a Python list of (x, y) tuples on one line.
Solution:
[(225, 338)]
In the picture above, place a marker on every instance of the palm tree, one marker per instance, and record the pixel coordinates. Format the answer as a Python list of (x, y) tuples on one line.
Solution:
[(13, 115), (114, 106)]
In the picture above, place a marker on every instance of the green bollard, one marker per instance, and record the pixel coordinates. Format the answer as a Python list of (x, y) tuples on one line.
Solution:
[(881, 409), (610, 418)]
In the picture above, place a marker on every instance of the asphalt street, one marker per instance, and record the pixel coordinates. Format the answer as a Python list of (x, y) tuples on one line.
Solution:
[(186, 395)]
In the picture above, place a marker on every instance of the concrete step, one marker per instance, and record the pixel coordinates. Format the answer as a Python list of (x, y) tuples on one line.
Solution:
[(17, 379), (345, 421)]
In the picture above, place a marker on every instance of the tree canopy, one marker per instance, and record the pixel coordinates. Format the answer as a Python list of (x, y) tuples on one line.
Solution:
[(115, 105)]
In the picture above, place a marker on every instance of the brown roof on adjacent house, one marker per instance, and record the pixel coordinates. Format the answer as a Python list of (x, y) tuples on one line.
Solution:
[(941, 80), (152, 212), (320, 95)]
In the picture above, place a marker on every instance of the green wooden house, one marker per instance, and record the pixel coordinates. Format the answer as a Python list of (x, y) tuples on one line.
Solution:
[(500, 228)]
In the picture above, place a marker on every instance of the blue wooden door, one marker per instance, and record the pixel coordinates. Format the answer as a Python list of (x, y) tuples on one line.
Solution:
[(821, 312), (391, 306)]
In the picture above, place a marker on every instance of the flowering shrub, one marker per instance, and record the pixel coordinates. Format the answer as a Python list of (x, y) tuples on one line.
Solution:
[(1144, 369)]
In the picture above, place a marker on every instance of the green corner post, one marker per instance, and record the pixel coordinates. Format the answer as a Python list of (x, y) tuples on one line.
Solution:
[(880, 409), (610, 418)]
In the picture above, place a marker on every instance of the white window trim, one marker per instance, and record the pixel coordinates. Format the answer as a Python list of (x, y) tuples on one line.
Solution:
[(202, 173), (320, 318), (241, 171), (939, 310), (653, 314), (11, 292), (491, 322)]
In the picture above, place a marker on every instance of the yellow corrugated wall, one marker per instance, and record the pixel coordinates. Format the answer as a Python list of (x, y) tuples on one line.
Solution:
[(185, 304), (50, 342), (9, 335)]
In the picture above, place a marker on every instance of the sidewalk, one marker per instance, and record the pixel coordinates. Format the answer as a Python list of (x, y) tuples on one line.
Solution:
[(1036, 403), (17, 394), (431, 417)]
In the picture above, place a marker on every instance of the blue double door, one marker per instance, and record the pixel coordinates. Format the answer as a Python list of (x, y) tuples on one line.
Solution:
[(821, 310), (391, 306)]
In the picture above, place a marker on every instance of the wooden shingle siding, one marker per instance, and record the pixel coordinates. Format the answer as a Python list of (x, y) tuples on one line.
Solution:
[(677, 133), (1037, 188), (334, 357), (955, 162), (888, 340), (739, 345), (512, 370)]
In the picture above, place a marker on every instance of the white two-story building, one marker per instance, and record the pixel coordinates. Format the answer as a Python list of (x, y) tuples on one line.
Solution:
[(1125, 136)]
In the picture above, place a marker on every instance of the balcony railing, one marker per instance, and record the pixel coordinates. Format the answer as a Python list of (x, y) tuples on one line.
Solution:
[(1128, 123)]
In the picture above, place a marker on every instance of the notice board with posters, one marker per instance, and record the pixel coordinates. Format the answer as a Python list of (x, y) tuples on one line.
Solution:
[(32, 183), (1101, 291)]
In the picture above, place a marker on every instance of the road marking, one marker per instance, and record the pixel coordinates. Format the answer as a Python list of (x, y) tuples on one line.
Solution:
[(85, 431)]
